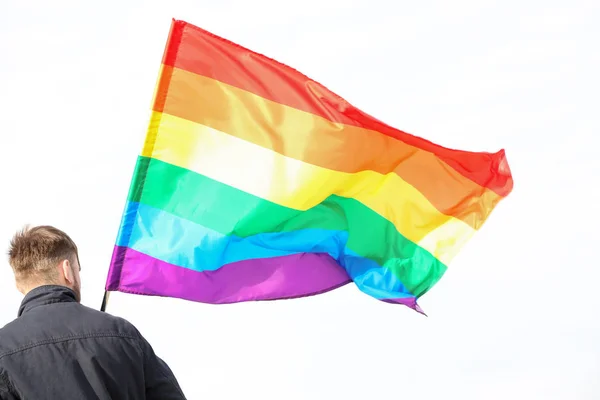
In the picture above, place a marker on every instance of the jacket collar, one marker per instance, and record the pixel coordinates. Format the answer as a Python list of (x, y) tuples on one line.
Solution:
[(46, 294)]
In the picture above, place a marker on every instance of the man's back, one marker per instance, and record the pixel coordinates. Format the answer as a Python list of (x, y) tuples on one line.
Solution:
[(59, 349)]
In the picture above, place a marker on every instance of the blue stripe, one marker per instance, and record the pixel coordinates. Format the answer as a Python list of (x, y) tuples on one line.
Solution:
[(178, 241)]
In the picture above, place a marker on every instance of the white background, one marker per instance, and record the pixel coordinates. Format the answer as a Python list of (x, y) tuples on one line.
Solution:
[(516, 315)]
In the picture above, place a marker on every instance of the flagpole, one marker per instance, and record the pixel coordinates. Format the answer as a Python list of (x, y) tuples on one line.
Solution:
[(104, 301)]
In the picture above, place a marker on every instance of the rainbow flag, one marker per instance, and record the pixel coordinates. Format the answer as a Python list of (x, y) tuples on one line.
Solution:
[(257, 183)]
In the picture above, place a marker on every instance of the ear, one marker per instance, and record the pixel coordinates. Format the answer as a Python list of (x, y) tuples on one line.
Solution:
[(67, 272)]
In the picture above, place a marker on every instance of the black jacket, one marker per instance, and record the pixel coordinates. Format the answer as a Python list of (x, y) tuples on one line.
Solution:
[(60, 349)]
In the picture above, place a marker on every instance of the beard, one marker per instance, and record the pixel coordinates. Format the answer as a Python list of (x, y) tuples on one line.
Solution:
[(77, 289)]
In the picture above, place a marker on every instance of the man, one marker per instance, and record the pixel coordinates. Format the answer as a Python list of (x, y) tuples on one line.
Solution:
[(60, 349)]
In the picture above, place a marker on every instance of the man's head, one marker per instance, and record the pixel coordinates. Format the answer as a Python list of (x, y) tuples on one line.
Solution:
[(44, 255)]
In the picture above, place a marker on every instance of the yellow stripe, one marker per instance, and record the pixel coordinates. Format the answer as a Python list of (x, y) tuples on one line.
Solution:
[(295, 184), (318, 141)]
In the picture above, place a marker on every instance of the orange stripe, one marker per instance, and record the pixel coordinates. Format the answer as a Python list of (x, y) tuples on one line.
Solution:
[(315, 140)]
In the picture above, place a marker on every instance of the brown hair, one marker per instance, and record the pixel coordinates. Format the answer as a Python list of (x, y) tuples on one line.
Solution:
[(35, 252)]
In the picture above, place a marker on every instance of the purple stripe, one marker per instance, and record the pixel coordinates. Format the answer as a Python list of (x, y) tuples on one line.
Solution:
[(407, 301), (296, 275)]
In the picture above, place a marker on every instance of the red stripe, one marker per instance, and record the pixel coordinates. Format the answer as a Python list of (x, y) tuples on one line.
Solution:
[(201, 52)]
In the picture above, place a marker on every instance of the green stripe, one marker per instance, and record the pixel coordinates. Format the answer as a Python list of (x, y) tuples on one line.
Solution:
[(230, 211)]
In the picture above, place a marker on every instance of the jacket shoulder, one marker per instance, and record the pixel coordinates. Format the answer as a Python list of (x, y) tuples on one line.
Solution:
[(110, 322), (72, 320)]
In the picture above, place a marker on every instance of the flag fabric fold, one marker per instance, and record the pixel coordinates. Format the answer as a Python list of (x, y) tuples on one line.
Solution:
[(258, 183)]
